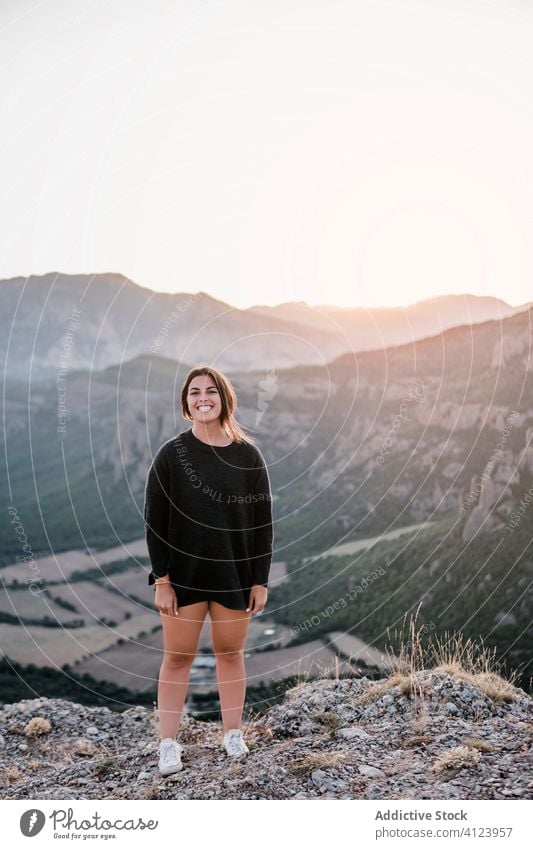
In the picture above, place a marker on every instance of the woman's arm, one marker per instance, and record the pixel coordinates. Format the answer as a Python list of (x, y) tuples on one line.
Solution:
[(156, 515), (263, 535)]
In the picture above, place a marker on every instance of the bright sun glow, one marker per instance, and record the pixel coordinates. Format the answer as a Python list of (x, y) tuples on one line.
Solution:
[(356, 153)]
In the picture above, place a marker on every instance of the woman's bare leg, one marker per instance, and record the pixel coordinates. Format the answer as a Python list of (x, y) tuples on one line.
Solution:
[(228, 631), (180, 644)]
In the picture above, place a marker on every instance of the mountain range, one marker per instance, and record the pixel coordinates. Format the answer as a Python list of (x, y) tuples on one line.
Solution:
[(436, 431), (59, 321)]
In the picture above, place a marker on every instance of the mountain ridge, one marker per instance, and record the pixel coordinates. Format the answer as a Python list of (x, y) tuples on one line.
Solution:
[(108, 318)]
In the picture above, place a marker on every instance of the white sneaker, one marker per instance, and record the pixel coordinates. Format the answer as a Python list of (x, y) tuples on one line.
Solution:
[(234, 743), (170, 756)]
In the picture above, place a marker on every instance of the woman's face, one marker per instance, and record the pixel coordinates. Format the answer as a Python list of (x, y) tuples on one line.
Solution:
[(203, 399)]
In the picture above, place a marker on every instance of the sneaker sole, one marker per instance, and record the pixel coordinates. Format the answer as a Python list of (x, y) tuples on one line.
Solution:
[(170, 770)]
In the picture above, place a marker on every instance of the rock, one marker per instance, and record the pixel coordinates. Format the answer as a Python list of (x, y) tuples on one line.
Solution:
[(373, 791), (307, 728), (336, 785), (291, 757), (318, 776), (354, 733), (371, 771), (327, 784)]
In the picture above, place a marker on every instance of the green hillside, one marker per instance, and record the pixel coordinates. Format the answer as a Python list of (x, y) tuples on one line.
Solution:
[(482, 590)]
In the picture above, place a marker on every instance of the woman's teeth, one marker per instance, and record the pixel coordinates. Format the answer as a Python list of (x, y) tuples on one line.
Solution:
[(204, 409)]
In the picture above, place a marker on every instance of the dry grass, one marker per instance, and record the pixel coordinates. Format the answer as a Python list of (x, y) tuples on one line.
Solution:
[(471, 661), (263, 732), (491, 683), (104, 767), (332, 671), (418, 730), (327, 718), (12, 775), (417, 740), (460, 757), (316, 760), (420, 723), (151, 792), (412, 651), (85, 748), (406, 683), (480, 745), (37, 726)]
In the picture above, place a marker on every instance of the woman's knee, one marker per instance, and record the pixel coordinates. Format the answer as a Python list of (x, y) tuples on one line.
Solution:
[(229, 653), (178, 659)]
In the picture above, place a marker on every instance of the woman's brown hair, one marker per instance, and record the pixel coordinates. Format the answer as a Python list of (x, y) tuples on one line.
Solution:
[(228, 399)]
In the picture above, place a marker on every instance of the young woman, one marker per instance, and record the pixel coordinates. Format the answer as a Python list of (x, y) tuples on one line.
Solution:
[(208, 526)]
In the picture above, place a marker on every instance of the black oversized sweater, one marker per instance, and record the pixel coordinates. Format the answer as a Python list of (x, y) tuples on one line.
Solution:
[(208, 519)]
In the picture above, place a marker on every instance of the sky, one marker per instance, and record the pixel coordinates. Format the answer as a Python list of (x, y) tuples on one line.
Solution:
[(360, 153)]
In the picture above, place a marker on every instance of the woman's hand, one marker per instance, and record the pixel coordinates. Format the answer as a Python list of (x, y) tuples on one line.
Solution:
[(258, 598), (165, 598)]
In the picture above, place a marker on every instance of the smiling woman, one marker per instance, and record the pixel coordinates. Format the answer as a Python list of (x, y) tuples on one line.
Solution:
[(208, 525)]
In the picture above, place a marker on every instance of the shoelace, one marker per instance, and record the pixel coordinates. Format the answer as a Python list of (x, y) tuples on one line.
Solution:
[(170, 753)]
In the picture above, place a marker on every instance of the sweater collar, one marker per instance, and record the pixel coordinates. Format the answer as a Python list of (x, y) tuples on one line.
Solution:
[(199, 443)]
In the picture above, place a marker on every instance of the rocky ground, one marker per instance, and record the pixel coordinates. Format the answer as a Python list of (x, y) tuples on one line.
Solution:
[(434, 735)]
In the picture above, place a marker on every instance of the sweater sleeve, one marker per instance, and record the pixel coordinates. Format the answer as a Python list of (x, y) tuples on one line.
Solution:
[(156, 515), (263, 528)]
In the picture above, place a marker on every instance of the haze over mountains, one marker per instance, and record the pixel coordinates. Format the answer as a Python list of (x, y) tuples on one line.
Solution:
[(96, 321), (324, 429), (370, 420), (372, 441)]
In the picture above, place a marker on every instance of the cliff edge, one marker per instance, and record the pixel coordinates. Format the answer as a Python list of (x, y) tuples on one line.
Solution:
[(433, 734)]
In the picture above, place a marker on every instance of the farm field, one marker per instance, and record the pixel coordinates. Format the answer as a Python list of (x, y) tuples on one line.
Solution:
[(94, 601), (312, 658), (359, 650), (23, 603), (133, 582), (136, 665), (57, 646), (60, 567)]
